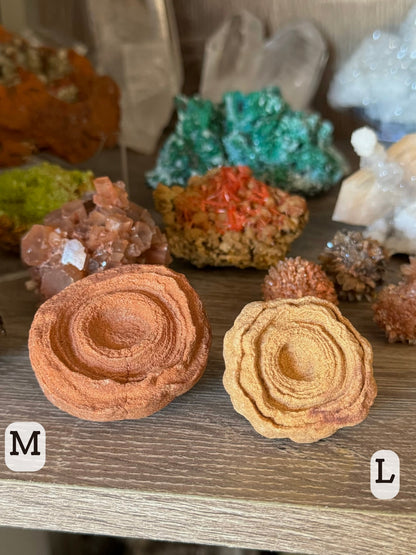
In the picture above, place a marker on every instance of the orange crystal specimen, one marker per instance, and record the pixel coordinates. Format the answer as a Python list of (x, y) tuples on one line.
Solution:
[(34, 115)]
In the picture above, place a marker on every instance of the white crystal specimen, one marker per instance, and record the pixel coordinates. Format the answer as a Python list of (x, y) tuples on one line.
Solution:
[(236, 58), (293, 60), (74, 253), (380, 76), (137, 44), (364, 141), (382, 194), (232, 55)]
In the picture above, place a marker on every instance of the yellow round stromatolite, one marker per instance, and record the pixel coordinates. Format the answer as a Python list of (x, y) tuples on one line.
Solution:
[(296, 368)]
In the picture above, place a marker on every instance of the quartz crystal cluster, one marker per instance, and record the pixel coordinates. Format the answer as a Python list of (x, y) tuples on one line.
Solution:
[(237, 58), (52, 99), (382, 194), (290, 149), (355, 264), (380, 80), (101, 231), (395, 307)]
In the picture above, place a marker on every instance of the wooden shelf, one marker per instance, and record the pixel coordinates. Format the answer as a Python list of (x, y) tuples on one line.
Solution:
[(197, 471)]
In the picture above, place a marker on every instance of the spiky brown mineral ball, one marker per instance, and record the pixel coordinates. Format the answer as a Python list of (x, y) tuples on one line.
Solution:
[(355, 264), (395, 307), (293, 278)]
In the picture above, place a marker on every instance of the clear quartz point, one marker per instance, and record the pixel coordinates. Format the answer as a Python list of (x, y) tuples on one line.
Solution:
[(232, 56), (293, 60), (137, 44)]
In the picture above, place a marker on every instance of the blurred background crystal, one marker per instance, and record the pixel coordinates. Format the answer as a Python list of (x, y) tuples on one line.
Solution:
[(137, 44), (237, 58), (293, 60), (232, 56), (379, 80)]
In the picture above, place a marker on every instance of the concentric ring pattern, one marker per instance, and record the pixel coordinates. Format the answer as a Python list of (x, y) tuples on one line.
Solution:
[(120, 344), (297, 368)]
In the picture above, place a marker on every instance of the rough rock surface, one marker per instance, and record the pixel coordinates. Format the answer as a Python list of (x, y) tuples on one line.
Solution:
[(120, 344), (296, 368)]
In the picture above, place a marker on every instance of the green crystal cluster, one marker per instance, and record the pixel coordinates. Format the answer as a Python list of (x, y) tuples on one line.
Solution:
[(290, 149), (27, 195)]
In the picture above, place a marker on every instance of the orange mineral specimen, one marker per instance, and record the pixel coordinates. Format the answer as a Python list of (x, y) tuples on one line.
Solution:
[(90, 235), (53, 99), (395, 307), (293, 278), (121, 344), (296, 368), (228, 218)]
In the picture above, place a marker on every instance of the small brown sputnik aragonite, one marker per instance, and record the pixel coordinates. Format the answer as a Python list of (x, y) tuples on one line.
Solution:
[(395, 307), (53, 99), (121, 344), (101, 231), (355, 264), (228, 218), (2, 328), (293, 278), (296, 368)]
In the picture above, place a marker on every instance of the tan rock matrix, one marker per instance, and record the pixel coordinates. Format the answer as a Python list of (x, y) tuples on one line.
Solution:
[(296, 368), (120, 344)]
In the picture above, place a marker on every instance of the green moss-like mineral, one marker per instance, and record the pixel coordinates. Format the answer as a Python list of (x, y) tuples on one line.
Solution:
[(27, 195), (290, 149)]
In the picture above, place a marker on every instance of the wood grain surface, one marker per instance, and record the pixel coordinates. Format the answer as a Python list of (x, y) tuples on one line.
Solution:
[(197, 471)]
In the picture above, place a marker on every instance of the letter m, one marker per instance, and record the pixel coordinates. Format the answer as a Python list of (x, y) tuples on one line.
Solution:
[(18, 440)]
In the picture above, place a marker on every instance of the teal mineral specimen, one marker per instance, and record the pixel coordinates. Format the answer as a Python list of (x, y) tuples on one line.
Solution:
[(290, 149)]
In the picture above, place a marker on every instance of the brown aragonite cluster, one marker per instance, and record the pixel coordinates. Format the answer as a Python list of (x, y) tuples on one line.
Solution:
[(102, 231), (53, 99), (296, 368), (395, 307), (228, 218), (355, 264), (120, 344), (293, 278)]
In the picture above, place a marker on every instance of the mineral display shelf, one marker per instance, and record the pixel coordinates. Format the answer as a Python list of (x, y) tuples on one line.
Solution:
[(197, 471)]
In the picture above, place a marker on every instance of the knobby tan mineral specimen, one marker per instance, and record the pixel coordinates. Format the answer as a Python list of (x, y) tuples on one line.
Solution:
[(120, 344), (395, 307), (296, 368), (52, 99), (229, 218), (101, 231), (355, 264), (293, 278)]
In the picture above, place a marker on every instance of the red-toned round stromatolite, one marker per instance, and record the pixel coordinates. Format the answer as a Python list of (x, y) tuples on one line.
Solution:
[(120, 344)]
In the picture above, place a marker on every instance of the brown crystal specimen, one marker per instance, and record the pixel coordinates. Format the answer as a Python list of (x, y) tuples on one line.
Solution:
[(355, 264), (395, 307), (53, 99), (296, 368), (2, 328), (229, 218), (120, 344), (293, 278), (101, 231)]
